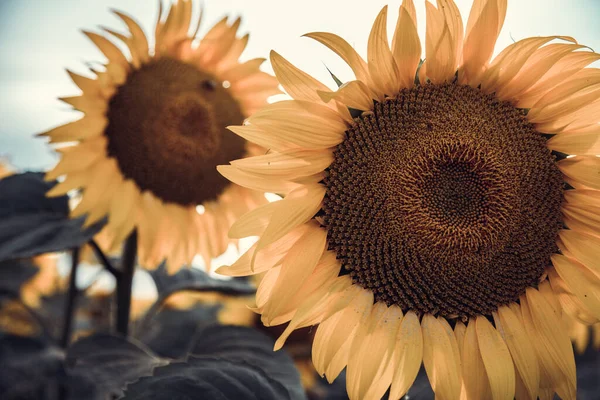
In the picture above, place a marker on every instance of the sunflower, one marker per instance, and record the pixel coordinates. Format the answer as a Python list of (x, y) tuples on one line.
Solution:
[(153, 131), (442, 212)]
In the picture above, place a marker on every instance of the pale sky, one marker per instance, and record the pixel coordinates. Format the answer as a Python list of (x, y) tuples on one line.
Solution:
[(40, 38)]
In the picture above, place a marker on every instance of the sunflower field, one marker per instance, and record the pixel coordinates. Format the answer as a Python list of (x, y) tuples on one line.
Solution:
[(418, 220)]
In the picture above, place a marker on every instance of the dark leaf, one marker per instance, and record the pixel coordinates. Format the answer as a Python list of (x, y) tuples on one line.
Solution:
[(110, 362), (198, 280), (14, 273), (239, 343), (207, 378), (588, 374), (323, 390), (32, 224), (29, 367), (171, 332), (421, 388)]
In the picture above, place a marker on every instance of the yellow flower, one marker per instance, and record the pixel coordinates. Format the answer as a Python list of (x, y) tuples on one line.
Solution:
[(431, 225), (153, 132)]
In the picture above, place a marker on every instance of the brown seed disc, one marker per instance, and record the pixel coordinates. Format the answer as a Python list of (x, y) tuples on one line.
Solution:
[(444, 200), (167, 131)]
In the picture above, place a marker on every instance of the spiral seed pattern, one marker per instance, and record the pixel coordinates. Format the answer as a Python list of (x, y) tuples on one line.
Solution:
[(443, 200)]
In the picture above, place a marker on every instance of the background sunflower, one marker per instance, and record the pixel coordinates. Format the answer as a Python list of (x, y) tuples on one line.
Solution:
[(153, 131)]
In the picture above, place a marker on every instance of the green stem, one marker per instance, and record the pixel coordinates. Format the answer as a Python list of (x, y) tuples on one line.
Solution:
[(71, 298), (124, 281)]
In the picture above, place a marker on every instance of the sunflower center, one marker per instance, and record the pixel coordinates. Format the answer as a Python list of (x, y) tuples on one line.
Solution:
[(167, 131), (444, 200)]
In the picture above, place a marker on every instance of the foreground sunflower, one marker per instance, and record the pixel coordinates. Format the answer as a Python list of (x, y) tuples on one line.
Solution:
[(153, 132), (447, 223)]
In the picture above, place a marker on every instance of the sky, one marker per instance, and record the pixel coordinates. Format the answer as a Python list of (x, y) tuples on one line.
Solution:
[(39, 39)]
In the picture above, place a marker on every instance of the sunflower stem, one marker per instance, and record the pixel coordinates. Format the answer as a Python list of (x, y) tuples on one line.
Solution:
[(124, 281), (71, 298), (104, 260)]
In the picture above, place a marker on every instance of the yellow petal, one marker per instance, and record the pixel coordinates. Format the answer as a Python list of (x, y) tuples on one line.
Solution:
[(137, 36), (370, 351), (255, 85), (313, 308), (302, 123), (580, 281), (582, 197), (89, 87), (290, 164), (80, 157), (511, 60), (291, 212), (261, 137), (562, 71), (408, 355), (570, 304), (266, 286), (382, 66), (89, 105), (439, 358), (536, 66), (296, 83), (262, 183), (587, 143), (253, 223), (497, 360), (483, 26), (326, 272), (333, 313), (555, 351), (342, 335), (476, 383), (521, 349), (101, 174), (406, 45), (353, 94), (268, 257), (584, 248), (583, 169), (442, 41), (296, 268), (87, 127), (569, 96), (123, 204), (243, 70), (584, 219), (112, 52), (236, 50), (345, 51)]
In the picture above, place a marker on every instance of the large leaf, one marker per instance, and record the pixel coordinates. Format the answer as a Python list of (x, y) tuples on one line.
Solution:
[(207, 378), (161, 330), (588, 373), (241, 344), (28, 367), (14, 273), (110, 362), (196, 279), (32, 224), (171, 333)]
